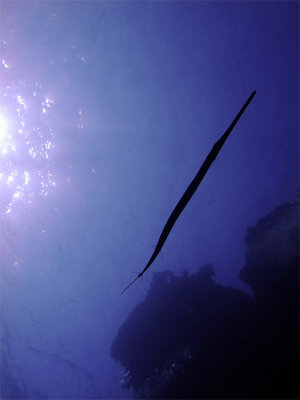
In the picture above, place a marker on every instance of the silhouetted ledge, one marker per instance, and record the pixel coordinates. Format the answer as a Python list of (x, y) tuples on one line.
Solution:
[(272, 251), (193, 338)]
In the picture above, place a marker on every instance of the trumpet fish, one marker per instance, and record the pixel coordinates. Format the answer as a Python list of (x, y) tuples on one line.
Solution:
[(191, 189)]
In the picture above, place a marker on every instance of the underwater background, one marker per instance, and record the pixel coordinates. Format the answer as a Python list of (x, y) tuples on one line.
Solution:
[(107, 111)]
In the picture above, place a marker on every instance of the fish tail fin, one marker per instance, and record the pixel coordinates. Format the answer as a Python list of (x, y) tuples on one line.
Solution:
[(132, 283)]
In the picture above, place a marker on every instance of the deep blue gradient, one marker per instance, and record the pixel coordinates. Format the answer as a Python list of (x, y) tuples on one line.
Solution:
[(107, 111)]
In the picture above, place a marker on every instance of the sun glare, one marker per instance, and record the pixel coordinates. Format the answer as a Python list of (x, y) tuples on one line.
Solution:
[(3, 128), (25, 144)]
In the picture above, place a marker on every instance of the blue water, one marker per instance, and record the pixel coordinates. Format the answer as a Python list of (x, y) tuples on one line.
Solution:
[(107, 111)]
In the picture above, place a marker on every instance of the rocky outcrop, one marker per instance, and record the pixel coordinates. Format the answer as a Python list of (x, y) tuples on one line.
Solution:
[(193, 338)]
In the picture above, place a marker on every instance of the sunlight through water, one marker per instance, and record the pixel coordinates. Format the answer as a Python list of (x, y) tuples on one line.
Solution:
[(26, 138)]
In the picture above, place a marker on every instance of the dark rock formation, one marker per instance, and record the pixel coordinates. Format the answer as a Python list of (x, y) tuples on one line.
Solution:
[(193, 338), (273, 252)]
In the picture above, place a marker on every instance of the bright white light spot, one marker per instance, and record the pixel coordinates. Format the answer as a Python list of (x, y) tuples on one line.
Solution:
[(4, 63), (26, 177), (22, 102), (32, 152), (16, 195), (10, 179), (7, 144), (3, 127), (16, 262)]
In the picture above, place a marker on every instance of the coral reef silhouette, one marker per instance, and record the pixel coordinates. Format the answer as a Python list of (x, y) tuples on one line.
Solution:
[(193, 338)]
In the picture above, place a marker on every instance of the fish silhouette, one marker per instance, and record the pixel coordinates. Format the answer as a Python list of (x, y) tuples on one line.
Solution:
[(187, 195)]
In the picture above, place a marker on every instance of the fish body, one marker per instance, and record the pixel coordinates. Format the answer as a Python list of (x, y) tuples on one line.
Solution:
[(191, 189)]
